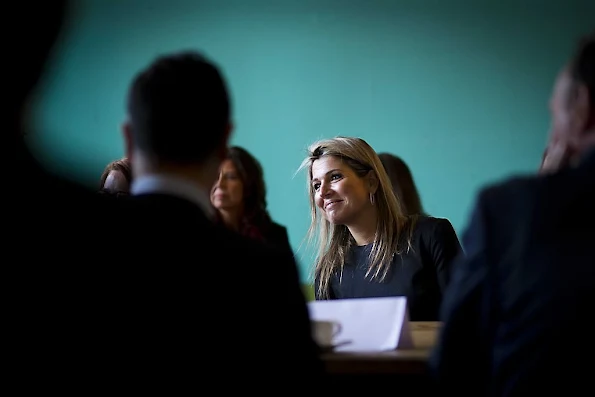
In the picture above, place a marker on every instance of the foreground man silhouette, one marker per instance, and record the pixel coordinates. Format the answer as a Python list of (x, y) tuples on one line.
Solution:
[(515, 316)]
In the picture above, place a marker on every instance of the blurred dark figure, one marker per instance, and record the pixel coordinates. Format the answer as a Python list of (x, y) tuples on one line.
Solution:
[(54, 317), (239, 196), (516, 312), (28, 54), (180, 294), (44, 201), (116, 178), (403, 184), (204, 293)]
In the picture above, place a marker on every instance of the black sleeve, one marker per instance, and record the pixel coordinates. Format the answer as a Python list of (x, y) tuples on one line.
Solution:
[(444, 248)]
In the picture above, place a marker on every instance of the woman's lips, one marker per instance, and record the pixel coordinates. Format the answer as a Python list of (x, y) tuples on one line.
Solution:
[(332, 204)]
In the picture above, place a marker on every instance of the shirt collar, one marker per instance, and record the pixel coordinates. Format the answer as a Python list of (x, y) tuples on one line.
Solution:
[(174, 186)]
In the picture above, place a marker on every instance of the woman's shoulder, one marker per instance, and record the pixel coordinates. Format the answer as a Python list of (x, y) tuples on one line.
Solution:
[(278, 235), (275, 230), (277, 227), (427, 226)]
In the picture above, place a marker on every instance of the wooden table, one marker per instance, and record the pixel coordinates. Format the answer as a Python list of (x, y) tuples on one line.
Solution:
[(409, 361)]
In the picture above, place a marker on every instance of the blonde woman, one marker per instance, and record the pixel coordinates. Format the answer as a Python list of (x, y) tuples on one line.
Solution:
[(368, 247)]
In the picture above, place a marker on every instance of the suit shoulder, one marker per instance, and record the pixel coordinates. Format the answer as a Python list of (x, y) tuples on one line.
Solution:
[(517, 191), (504, 207)]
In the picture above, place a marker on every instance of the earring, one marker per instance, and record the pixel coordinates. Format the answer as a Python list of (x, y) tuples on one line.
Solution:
[(372, 198)]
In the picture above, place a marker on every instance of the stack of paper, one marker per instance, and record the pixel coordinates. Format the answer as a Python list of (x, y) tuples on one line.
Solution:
[(369, 324)]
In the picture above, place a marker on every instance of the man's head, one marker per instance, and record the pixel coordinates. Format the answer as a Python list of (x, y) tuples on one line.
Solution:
[(572, 104), (178, 113)]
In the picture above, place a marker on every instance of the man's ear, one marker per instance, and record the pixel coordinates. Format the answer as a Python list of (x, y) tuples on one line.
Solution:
[(585, 100), (585, 115), (373, 181), (583, 111), (222, 151), (128, 140)]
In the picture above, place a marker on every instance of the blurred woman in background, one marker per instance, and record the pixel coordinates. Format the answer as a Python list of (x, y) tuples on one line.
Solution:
[(403, 184), (239, 196)]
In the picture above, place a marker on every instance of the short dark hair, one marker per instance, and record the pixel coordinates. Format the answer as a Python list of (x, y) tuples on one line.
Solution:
[(582, 65), (179, 108)]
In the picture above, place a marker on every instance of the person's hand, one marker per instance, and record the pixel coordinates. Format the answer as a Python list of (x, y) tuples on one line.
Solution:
[(557, 157)]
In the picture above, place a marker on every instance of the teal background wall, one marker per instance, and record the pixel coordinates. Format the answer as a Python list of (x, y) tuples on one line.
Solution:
[(459, 89)]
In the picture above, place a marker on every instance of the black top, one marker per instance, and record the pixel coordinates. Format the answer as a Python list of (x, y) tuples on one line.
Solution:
[(184, 260), (271, 233), (421, 274), (278, 237)]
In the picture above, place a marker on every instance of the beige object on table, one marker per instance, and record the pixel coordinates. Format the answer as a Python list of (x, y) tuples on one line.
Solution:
[(424, 333), (401, 361)]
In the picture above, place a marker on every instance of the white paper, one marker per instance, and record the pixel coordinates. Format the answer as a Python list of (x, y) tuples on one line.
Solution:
[(370, 324)]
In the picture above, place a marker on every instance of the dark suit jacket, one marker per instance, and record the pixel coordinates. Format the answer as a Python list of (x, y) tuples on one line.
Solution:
[(143, 295), (517, 309), (205, 295), (58, 276)]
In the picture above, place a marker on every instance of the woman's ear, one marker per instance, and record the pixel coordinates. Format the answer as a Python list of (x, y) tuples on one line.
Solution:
[(372, 181), (222, 150)]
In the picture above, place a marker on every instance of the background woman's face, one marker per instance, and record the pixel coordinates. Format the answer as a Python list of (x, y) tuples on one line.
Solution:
[(228, 191)]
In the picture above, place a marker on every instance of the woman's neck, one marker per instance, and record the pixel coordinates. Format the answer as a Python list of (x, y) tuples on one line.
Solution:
[(364, 229), (231, 219)]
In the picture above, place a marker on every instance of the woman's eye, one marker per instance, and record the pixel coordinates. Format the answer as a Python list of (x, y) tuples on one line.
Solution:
[(334, 177), (316, 186)]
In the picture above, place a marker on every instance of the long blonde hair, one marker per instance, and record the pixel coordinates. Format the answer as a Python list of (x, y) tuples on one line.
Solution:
[(335, 241)]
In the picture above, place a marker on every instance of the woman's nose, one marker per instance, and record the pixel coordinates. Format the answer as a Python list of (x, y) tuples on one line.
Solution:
[(324, 189)]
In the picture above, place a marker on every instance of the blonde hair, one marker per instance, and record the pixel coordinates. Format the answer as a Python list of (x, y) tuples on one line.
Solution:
[(335, 241)]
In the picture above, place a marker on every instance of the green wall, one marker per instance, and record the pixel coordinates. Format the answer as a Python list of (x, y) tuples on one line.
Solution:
[(459, 89)]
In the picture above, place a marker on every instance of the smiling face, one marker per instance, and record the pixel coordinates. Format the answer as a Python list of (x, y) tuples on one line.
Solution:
[(341, 194)]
